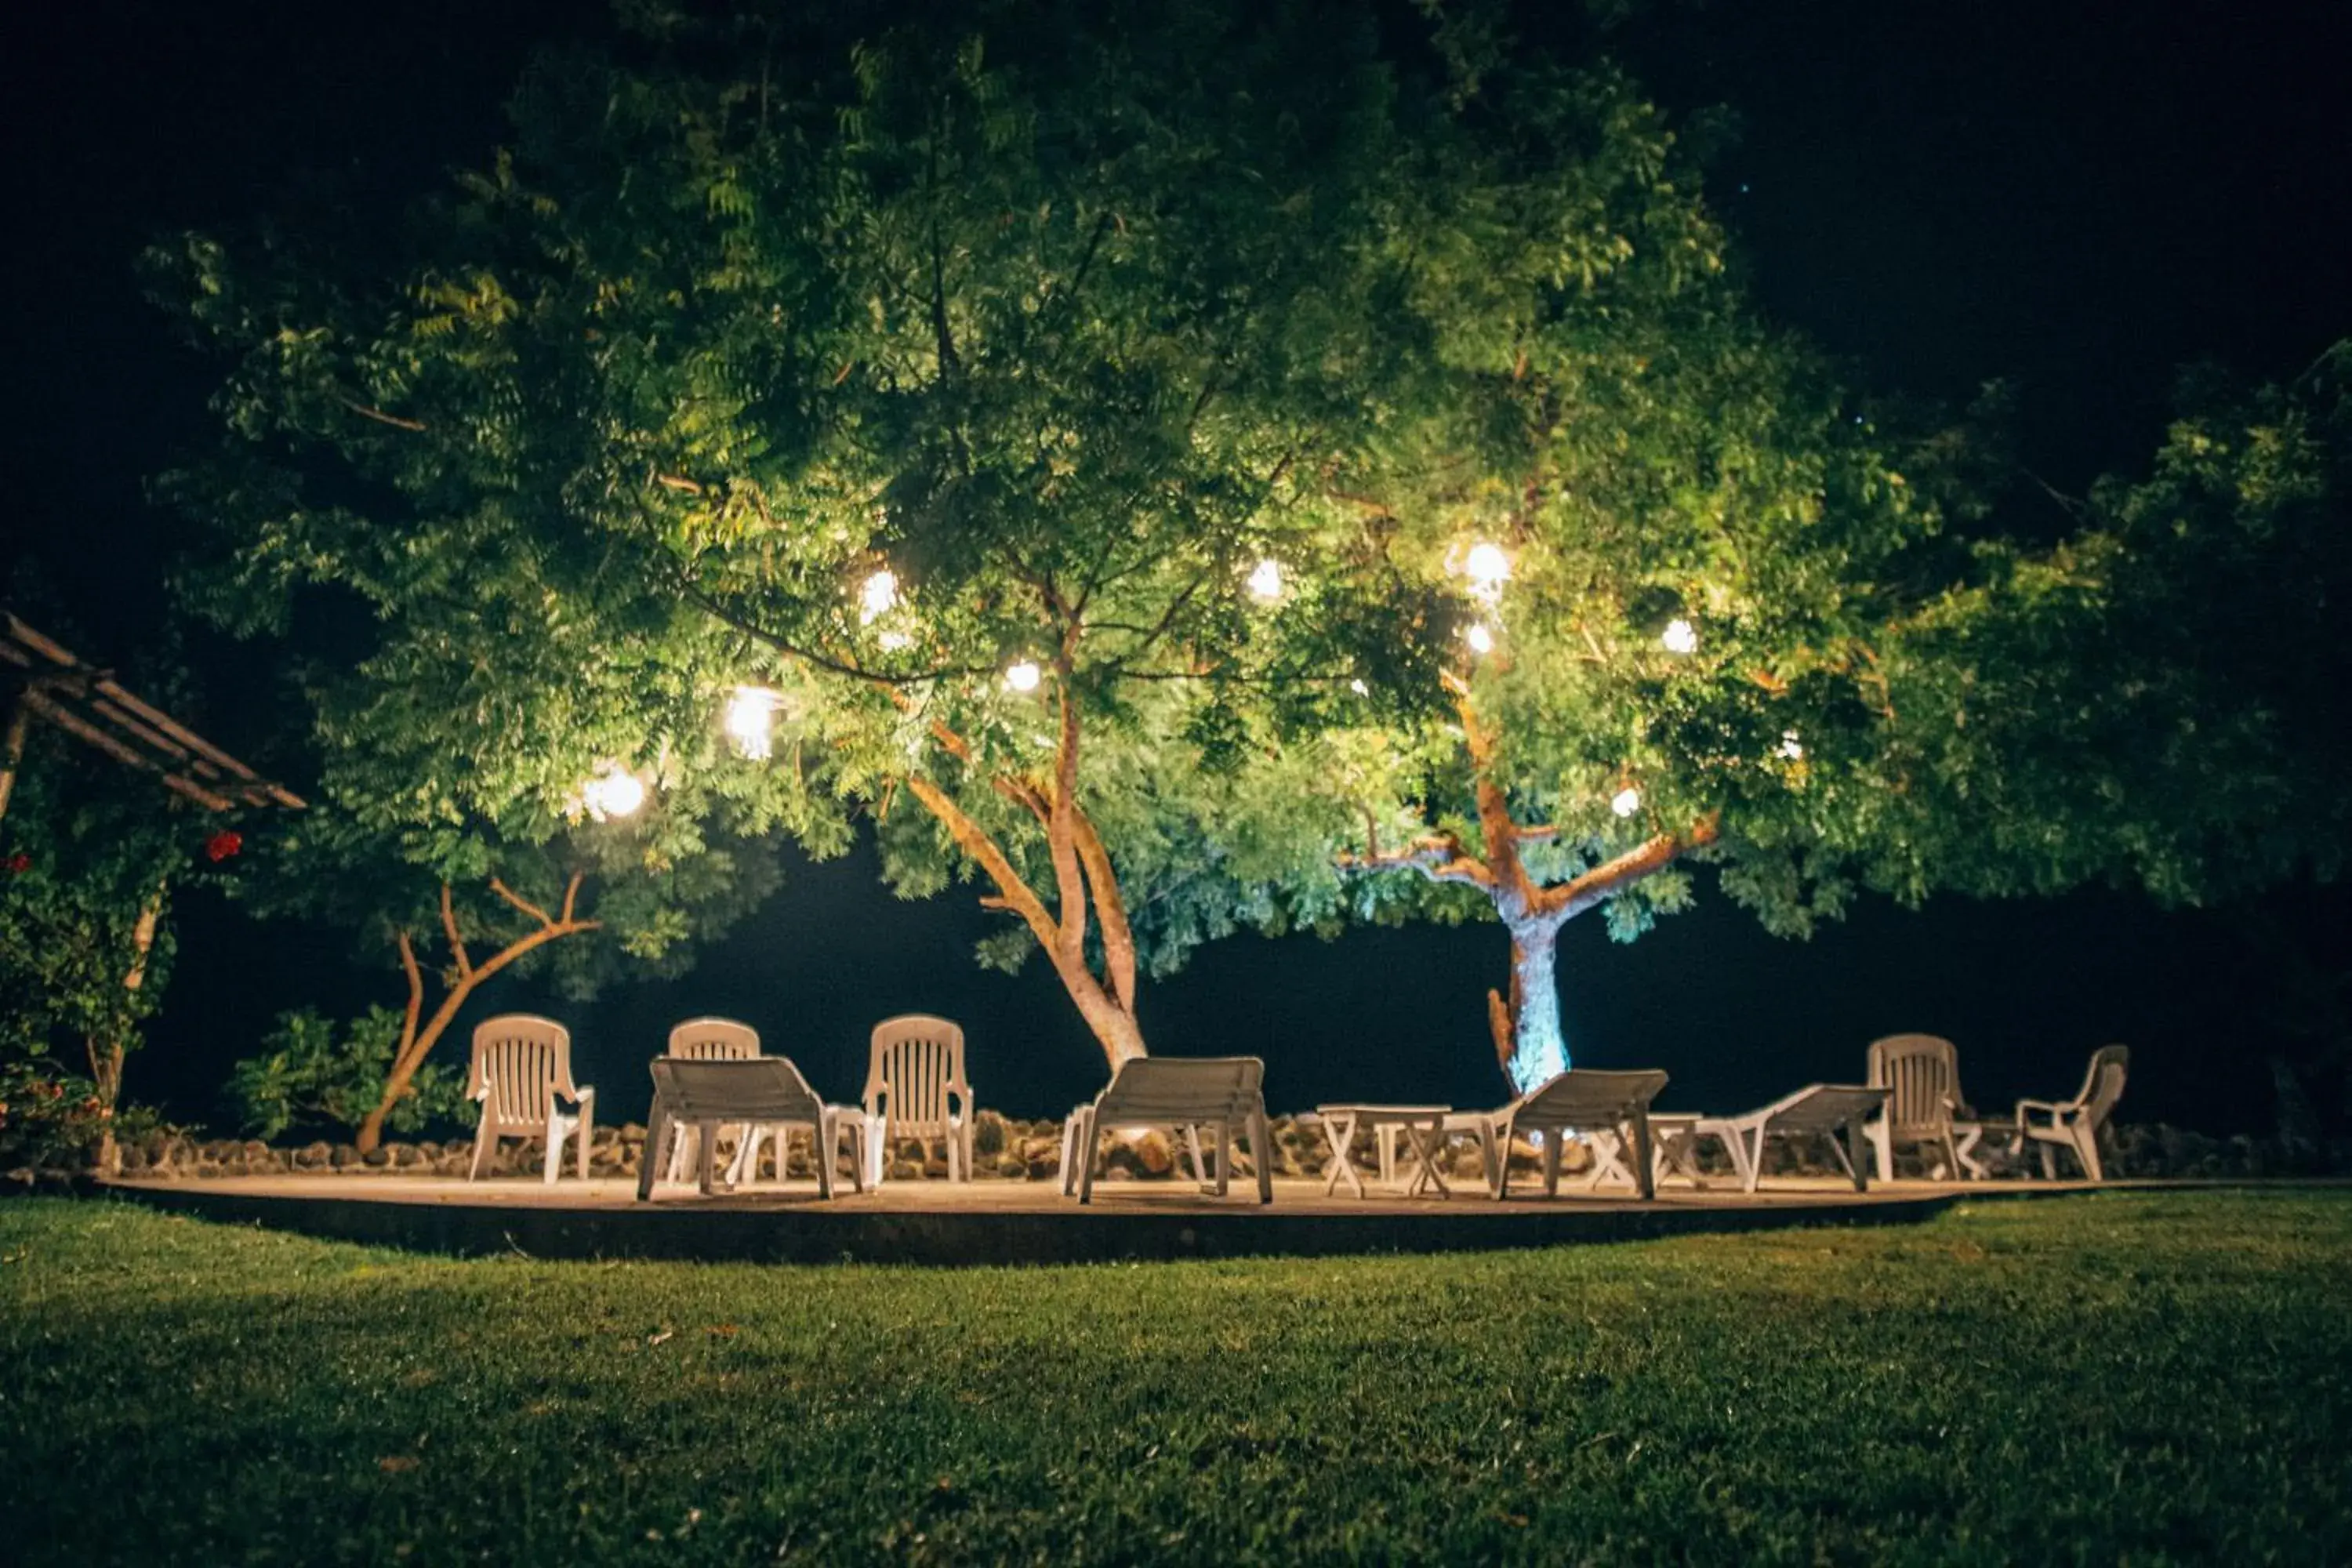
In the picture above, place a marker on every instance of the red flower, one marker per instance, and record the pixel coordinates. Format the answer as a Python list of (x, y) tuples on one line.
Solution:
[(223, 844), (18, 864)]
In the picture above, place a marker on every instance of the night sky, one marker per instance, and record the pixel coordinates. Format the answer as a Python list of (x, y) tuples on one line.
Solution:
[(2073, 195)]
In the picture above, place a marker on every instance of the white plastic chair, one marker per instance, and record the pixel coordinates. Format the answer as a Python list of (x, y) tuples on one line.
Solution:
[(2075, 1124), (1582, 1100), (1829, 1110), (915, 1070), (521, 1066), (1174, 1092), (758, 1090), (1921, 1075), (713, 1040)]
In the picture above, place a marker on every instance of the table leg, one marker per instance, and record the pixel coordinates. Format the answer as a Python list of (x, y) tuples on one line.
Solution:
[(1425, 1137), (1339, 1132)]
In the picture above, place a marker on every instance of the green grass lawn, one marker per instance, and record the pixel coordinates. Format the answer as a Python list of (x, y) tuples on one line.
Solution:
[(2138, 1377)]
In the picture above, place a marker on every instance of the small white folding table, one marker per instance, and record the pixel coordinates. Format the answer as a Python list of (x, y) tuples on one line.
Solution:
[(1424, 1127)]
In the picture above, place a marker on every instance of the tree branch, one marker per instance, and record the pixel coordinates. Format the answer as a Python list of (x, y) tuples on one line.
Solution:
[(457, 942), (525, 905), (1110, 908), (1570, 899), (1440, 857), (379, 416)]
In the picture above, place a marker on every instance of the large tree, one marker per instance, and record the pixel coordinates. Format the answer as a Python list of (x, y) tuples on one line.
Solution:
[(1006, 402)]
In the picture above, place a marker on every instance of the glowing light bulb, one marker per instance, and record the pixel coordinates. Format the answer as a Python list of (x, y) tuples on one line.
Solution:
[(878, 597), (614, 792), (1488, 567), (1023, 677), (1626, 800), (1680, 636), (1360, 688), (1790, 747), (1266, 583), (749, 713)]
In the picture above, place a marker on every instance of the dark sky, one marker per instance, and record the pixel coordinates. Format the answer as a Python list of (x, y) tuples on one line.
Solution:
[(2075, 196)]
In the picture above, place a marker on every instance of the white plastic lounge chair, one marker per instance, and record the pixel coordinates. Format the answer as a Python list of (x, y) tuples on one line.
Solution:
[(1829, 1110), (1172, 1093), (714, 1041), (759, 1091), (916, 1067), (2075, 1124), (521, 1064), (1921, 1074), (1582, 1100)]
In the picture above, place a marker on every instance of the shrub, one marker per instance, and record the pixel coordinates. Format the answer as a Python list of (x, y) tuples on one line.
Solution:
[(309, 1072)]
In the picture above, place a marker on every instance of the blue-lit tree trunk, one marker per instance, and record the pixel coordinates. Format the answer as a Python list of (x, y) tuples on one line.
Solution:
[(1528, 1041)]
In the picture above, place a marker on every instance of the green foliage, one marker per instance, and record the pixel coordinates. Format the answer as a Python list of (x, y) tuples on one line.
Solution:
[(1866, 1394), (310, 1070)]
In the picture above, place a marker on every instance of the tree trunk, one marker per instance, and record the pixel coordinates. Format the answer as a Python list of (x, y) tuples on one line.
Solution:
[(106, 1056), (12, 746), (1534, 1050)]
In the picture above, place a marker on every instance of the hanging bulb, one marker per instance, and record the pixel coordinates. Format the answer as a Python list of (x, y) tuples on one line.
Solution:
[(878, 597), (1266, 582), (613, 792), (1626, 800), (1680, 636), (1479, 637), (1488, 568), (750, 712), (1789, 748), (1023, 677), (1358, 687)]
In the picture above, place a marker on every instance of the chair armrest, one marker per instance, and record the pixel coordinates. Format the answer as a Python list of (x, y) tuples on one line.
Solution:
[(482, 1093), (584, 1098), (2027, 1108)]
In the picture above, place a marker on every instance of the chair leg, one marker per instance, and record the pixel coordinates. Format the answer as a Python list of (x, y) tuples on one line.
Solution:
[(1084, 1151), (1881, 1143), (486, 1143), (1645, 1175), (2086, 1149), (556, 1129), (1261, 1155), (653, 1156), (1755, 1159), (878, 1149), (705, 1157), (1193, 1147), (1852, 1152), (2049, 1164), (821, 1133), (1224, 1156), (1553, 1138), (583, 1131)]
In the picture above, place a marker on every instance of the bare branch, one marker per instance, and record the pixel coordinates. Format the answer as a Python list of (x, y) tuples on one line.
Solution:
[(378, 415), (525, 905), (457, 942)]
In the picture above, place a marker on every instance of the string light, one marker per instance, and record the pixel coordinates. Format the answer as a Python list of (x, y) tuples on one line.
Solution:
[(614, 792), (1358, 687), (878, 597), (1266, 582), (1489, 566), (1023, 677), (749, 713), (1626, 800), (1680, 636), (1791, 748), (1479, 637)]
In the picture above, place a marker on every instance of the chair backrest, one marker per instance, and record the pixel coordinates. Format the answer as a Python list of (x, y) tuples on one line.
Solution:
[(527, 1061), (1921, 1074), (1182, 1089), (1823, 1106), (2104, 1084), (1587, 1096), (713, 1040), (917, 1058), (747, 1089)]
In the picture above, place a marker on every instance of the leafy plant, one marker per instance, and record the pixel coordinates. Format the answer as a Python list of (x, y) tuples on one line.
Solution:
[(311, 1070)]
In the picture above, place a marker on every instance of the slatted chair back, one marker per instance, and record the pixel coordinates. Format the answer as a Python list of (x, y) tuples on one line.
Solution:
[(1921, 1075), (1584, 1098), (2104, 1084), (753, 1088), (915, 1061), (713, 1040), (1181, 1090), (526, 1060)]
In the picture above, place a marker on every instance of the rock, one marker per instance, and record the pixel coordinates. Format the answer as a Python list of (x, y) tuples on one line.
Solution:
[(1012, 1165), (314, 1156), (343, 1157), (989, 1134), (1154, 1155), (632, 1132), (405, 1156), (429, 1152), (906, 1171)]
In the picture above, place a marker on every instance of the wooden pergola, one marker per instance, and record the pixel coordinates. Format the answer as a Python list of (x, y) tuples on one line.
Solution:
[(46, 680)]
